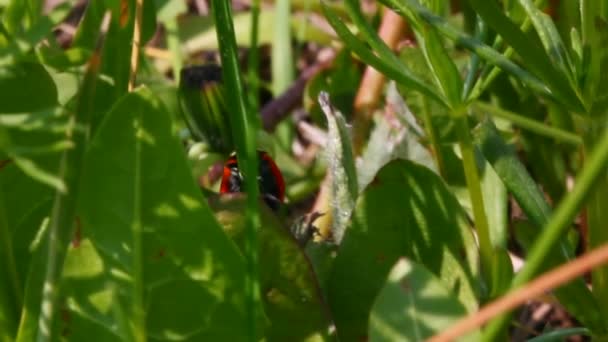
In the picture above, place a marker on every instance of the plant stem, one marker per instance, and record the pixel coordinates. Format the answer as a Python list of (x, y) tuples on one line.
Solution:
[(594, 171), (138, 314), (12, 298), (244, 132), (529, 124), (253, 62), (474, 185), (597, 215)]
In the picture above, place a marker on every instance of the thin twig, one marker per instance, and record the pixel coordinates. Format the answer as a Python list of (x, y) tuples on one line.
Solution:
[(275, 111), (538, 286), (139, 5)]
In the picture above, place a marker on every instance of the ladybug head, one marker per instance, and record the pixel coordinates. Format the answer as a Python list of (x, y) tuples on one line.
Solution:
[(270, 179)]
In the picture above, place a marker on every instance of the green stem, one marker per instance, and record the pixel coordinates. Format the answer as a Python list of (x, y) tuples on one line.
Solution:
[(253, 63), (12, 297), (138, 314), (529, 124), (244, 131), (597, 216), (559, 223), (474, 186)]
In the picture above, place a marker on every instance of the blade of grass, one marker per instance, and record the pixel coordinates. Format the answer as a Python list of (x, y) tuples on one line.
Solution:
[(552, 41), (253, 62), (574, 296), (399, 74), (529, 124), (11, 299), (244, 134), (561, 220), (283, 65), (489, 54), (63, 212), (532, 55)]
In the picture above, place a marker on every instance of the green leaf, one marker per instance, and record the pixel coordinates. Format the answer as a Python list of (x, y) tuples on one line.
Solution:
[(406, 211), (442, 66), (496, 205), (119, 41), (413, 305), (290, 292), (575, 296), (532, 54), (444, 70), (398, 73), (392, 139), (26, 87), (490, 55), (341, 167), (136, 177), (552, 41)]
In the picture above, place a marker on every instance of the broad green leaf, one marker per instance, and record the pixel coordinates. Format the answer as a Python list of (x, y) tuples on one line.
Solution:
[(136, 175), (413, 305), (26, 87), (575, 296), (341, 167), (405, 211), (290, 292)]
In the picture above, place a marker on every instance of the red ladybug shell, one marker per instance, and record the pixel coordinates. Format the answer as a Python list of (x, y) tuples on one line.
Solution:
[(270, 179)]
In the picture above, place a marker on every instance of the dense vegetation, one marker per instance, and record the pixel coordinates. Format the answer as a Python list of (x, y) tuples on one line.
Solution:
[(439, 157)]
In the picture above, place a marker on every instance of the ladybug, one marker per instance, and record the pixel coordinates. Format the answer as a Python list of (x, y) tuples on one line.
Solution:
[(270, 179)]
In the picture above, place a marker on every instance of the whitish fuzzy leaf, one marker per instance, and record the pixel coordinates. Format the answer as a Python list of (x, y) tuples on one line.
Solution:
[(341, 167)]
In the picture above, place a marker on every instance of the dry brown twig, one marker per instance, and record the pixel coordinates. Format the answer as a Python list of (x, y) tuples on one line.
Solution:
[(139, 5), (535, 288)]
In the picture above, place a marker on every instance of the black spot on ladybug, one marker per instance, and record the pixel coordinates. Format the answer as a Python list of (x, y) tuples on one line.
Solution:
[(270, 180)]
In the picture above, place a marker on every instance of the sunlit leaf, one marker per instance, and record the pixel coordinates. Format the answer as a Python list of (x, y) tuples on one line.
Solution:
[(405, 211), (413, 305)]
